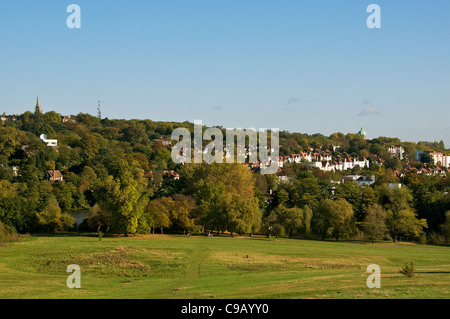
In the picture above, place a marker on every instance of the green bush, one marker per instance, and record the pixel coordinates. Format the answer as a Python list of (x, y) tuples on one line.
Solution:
[(436, 238), (408, 270), (6, 233), (423, 239)]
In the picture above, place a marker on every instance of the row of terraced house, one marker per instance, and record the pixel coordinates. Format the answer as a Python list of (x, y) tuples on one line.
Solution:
[(426, 170), (321, 160), (324, 161)]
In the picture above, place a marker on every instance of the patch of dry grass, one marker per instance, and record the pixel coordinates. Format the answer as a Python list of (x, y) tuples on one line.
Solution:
[(122, 261), (258, 261)]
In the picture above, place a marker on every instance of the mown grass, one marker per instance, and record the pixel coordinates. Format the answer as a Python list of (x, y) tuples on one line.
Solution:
[(161, 266)]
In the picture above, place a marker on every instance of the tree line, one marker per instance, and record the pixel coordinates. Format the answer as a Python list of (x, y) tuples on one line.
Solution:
[(104, 163)]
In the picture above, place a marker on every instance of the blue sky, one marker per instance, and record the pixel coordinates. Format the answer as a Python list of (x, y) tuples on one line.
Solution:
[(303, 66)]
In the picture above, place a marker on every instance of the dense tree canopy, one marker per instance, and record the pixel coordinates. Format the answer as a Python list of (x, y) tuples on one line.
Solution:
[(120, 171)]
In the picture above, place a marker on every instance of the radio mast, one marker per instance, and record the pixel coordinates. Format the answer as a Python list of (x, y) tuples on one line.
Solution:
[(99, 110)]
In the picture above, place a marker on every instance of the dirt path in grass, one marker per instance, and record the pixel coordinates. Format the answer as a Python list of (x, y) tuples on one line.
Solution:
[(178, 288)]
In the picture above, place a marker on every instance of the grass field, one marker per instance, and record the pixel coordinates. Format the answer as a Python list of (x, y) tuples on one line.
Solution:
[(168, 267)]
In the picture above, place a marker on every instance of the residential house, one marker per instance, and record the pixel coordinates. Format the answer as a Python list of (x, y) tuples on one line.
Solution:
[(163, 141), (361, 180), (397, 150), (50, 143), (53, 176), (69, 118), (437, 158), (366, 180), (8, 118)]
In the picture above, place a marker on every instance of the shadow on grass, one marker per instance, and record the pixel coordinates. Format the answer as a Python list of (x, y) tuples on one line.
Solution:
[(254, 237), (93, 235), (432, 272)]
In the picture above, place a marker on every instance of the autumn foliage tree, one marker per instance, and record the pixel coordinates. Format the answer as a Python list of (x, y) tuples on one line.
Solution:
[(334, 219), (51, 219), (156, 215), (374, 224), (124, 198), (404, 223), (102, 163)]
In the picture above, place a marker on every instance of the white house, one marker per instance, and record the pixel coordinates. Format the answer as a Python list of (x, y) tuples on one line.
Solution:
[(366, 180), (396, 150), (437, 158), (361, 180), (446, 161), (314, 164), (50, 143)]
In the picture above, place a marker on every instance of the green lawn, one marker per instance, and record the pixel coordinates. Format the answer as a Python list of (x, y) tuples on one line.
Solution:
[(161, 266)]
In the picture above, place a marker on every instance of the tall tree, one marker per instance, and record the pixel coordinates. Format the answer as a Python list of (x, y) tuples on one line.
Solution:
[(374, 224), (396, 199), (333, 218), (309, 193), (404, 223), (156, 215), (321, 219), (292, 220), (342, 221), (207, 196), (125, 198), (181, 210), (51, 219), (243, 215)]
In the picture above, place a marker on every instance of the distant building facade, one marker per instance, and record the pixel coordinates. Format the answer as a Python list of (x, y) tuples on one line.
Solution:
[(397, 150), (440, 159)]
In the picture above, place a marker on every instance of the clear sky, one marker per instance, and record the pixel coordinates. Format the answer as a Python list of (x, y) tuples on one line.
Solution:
[(303, 66)]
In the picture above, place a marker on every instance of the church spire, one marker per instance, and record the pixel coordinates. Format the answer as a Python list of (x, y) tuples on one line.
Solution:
[(38, 108)]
